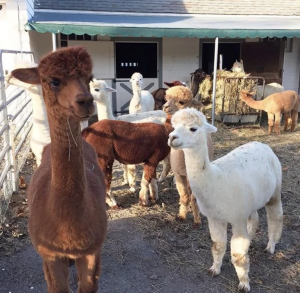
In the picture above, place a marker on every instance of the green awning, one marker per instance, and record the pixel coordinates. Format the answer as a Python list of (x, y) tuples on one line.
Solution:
[(204, 26)]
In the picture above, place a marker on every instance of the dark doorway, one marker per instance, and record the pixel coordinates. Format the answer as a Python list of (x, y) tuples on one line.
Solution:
[(136, 57), (230, 52)]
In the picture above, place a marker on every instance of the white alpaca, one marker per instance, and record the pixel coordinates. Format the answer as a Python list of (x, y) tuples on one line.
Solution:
[(230, 190), (238, 66), (40, 135), (100, 91), (270, 88), (142, 101)]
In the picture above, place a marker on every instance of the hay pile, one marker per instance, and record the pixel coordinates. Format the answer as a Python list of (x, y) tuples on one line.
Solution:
[(232, 103)]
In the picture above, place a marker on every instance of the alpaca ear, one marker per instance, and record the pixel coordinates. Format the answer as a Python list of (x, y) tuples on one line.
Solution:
[(27, 75), (210, 128), (110, 89), (241, 61)]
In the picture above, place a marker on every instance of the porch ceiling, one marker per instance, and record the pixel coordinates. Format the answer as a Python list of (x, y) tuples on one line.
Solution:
[(159, 25)]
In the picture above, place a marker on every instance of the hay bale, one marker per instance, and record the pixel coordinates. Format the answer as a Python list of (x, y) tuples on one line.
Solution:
[(232, 103)]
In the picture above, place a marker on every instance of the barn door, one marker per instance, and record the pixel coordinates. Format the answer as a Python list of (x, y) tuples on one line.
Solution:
[(134, 57), (264, 59)]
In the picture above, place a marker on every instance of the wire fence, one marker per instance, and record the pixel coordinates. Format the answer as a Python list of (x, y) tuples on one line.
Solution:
[(15, 126)]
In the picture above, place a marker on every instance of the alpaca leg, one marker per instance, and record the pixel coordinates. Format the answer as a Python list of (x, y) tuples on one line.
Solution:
[(88, 268), (125, 177), (166, 169), (107, 169), (240, 243), (184, 195), (195, 210), (294, 119), (277, 123), (275, 222), (131, 177), (287, 121), (218, 234), (153, 190), (56, 274), (270, 122), (144, 196), (252, 224)]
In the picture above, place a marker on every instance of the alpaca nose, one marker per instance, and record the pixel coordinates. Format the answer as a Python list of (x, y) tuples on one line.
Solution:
[(173, 137), (166, 108), (84, 100)]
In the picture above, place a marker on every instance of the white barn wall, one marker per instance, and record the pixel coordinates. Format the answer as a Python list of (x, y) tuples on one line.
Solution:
[(40, 44), (180, 57), (291, 67)]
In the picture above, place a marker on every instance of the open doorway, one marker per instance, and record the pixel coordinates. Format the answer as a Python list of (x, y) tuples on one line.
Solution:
[(230, 52)]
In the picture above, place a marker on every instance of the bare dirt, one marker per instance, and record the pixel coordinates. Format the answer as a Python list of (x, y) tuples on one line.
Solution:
[(147, 250)]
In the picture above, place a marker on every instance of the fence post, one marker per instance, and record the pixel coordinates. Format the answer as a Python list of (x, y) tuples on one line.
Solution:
[(12, 157)]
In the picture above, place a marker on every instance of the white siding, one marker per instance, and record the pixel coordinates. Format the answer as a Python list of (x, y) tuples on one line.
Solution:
[(291, 67), (180, 57), (40, 44)]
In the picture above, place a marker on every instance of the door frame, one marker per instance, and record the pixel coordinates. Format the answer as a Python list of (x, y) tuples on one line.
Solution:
[(144, 40)]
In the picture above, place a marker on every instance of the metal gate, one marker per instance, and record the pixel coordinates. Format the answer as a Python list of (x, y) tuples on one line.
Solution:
[(233, 109), (15, 125)]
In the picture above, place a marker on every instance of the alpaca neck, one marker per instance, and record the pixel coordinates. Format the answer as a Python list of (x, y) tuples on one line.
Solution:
[(137, 92), (66, 160), (105, 111), (258, 105), (197, 162), (39, 113)]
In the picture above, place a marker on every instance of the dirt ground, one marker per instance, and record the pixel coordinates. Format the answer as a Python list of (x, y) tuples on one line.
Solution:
[(147, 250)]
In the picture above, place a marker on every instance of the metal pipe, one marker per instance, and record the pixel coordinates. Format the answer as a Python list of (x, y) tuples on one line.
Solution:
[(22, 140), (215, 80), (54, 45)]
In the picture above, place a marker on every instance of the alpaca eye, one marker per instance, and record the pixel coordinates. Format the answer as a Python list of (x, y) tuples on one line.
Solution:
[(96, 90), (193, 129), (181, 103), (55, 83)]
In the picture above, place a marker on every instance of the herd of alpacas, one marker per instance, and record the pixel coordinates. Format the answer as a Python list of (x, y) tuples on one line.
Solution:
[(70, 188)]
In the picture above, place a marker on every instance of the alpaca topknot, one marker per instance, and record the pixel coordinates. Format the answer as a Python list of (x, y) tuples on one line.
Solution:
[(189, 116), (179, 93), (66, 62)]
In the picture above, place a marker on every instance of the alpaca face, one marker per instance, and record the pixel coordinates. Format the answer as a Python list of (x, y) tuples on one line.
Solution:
[(137, 79), (190, 128), (238, 66), (99, 90), (72, 95)]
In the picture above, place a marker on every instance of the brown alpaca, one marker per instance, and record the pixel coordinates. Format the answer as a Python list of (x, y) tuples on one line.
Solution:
[(130, 143), (179, 97), (66, 195), (286, 102)]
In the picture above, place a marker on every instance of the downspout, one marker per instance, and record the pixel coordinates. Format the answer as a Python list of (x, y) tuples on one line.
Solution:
[(215, 80), (19, 28)]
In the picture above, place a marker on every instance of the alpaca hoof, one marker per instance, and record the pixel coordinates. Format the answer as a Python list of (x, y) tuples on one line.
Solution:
[(180, 218), (124, 182), (214, 272), (243, 286), (116, 207), (143, 203), (197, 226), (132, 189), (270, 249)]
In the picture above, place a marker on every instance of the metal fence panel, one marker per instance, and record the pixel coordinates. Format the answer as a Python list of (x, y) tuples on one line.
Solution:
[(15, 126)]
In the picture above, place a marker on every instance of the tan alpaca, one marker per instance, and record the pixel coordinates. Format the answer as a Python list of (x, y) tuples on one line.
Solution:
[(66, 195), (179, 97), (286, 102)]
